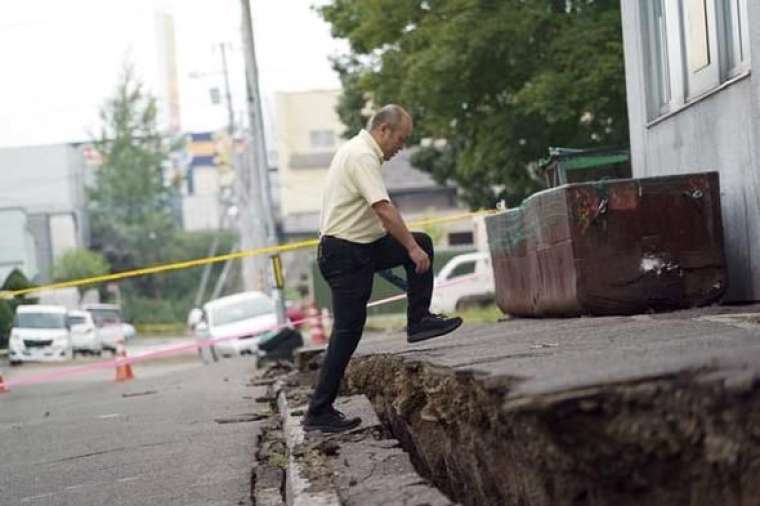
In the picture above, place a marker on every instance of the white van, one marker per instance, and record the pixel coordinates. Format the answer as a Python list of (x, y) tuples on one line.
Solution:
[(40, 333), (465, 280)]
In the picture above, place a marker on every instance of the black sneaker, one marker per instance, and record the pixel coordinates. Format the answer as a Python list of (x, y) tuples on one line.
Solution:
[(432, 325), (330, 421)]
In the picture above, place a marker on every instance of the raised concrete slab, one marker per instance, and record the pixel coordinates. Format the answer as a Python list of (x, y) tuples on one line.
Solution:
[(612, 410)]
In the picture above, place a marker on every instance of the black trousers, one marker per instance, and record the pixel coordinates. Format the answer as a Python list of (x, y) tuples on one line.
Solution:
[(349, 269)]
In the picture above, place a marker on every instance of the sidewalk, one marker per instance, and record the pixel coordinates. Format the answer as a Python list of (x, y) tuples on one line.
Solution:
[(659, 409)]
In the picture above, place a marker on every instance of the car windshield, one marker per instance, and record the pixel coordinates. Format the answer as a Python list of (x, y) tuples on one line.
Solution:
[(241, 310), (104, 316), (77, 320), (40, 321)]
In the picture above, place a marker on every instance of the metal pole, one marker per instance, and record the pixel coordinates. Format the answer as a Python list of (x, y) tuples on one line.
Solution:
[(256, 119), (228, 94), (224, 206)]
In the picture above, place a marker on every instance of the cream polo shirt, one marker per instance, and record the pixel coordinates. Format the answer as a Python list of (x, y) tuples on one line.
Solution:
[(353, 184)]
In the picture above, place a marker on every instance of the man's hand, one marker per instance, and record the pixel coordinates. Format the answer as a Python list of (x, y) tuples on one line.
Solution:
[(420, 259), (394, 224)]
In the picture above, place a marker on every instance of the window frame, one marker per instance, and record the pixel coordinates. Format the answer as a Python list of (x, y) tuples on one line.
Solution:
[(708, 77), (728, 47), (657, 46), (734, 29)]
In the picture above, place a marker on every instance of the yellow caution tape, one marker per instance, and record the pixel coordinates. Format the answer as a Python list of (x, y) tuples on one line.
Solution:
[(310, 243)]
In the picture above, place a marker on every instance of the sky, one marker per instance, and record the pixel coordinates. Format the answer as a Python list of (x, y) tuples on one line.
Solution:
[(61, 60)]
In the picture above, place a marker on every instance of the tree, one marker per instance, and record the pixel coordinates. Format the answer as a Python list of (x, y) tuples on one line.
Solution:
[(15, 281), (78, 264), (498, 80), (130, 204)]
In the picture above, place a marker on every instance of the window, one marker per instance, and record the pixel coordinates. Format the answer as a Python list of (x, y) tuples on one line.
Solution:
[(736, 50), (322, 138), (460, 238), (656, 56), (690, 47), (463, 269), (701, 45)]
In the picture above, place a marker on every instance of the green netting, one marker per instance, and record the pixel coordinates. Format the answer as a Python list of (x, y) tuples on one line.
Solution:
[(539, 216)]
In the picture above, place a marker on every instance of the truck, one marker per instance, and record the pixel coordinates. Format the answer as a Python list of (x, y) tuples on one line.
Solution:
[(465, 281)]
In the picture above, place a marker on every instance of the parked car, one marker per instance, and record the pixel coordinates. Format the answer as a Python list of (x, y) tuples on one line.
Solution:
[(238, 322), (111, 326), (465, 280), (84, 333), (40, 333)]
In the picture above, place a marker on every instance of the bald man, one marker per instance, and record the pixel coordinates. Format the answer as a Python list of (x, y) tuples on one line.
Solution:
[(362, 232)]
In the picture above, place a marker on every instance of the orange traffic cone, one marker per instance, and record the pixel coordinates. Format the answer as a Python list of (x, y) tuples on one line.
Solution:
[(316, 331), (123, 367), (2, 384)]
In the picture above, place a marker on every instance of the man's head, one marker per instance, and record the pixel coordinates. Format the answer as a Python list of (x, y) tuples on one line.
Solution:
[(391, 126)]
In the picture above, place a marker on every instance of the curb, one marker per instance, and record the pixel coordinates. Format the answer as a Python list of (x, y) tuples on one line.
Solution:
[(297, 485), (362, 466)]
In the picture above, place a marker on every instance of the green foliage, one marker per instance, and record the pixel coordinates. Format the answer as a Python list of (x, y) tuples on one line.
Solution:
[(499, 80), (178, 287), (6, 320), (130, 204), (79, 263), (15, 281)]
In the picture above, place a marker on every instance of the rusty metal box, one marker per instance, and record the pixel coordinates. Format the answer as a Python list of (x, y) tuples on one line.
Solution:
[(611, 247)]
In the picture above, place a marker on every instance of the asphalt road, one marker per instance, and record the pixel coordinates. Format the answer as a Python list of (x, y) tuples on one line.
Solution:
[(176, 434)]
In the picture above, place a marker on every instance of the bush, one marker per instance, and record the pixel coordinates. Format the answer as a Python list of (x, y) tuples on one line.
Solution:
[(6, 320), (15, 281)]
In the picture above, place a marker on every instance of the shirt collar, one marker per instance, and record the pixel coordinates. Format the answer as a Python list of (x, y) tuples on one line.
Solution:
[(373, 144)]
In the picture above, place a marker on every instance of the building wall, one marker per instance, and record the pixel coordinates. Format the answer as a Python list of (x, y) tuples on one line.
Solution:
[(302, 163), (47, 182), (16, 243), (720, 131)]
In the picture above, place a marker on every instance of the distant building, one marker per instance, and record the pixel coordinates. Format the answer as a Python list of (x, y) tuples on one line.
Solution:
[(309, 133), (206, 192), (42, 207), (694, 105)]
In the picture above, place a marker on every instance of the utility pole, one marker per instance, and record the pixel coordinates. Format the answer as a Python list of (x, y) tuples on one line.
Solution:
[(259, 188), (228, 94), (224, 204)]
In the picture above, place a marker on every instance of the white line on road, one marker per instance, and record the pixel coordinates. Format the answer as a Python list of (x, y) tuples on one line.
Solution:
[(35, 497)]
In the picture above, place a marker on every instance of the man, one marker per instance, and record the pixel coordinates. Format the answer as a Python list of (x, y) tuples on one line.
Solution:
[(362, 233)]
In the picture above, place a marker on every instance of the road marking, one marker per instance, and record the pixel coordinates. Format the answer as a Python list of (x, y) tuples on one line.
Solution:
[(112, 415), (131, 478), (35, 497)]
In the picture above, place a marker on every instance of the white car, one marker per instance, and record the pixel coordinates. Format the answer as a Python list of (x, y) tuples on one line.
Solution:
[(236, 323), (40, 333), (84, 334), (111, 327), (465, 280)]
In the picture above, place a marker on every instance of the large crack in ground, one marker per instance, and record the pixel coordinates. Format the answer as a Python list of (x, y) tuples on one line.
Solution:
[(690, 438)]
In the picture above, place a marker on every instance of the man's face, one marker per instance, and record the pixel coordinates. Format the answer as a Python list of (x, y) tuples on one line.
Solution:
[(393, 141)]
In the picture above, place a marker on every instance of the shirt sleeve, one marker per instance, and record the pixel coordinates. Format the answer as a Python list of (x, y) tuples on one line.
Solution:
[(366, 177)]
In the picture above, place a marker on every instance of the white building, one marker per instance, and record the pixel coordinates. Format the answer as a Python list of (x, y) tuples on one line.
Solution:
[(42, 207), (694, 105)]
